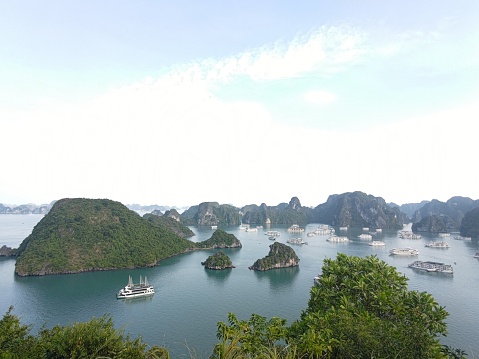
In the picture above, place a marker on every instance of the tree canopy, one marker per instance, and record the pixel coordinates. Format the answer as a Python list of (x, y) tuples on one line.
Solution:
[(361, 307)]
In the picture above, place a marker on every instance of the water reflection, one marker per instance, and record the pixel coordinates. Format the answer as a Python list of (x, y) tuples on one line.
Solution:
[(218, 276), (278, 278)]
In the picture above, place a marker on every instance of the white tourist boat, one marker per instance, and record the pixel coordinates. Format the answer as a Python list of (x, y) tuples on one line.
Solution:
[(408, 235), (273, 233), (377, 243), (432, 267), (444, 234), (365, 236), (437, 244), (295, 229), (404, 251), (338, 239), (296, 241), (323, 229), (143, 289)]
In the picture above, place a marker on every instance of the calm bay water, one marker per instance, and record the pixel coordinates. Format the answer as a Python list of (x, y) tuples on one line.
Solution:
[(190, 300)]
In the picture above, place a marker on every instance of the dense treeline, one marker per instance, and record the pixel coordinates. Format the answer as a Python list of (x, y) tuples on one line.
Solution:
[(170, 223), (358, 308)]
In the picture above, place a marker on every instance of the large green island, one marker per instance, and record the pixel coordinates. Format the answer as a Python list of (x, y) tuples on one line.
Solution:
[(80, 235)]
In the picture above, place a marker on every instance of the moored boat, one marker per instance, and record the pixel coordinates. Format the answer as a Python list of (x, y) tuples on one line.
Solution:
[(296, 241), (295, 229), (404, 251), (273, 233), (432, 267), (437, 244), (338, 239), (365, 236), (377, 243), (143, 289)]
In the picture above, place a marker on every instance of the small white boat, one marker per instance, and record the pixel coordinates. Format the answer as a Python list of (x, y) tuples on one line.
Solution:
[(214, 227), (296, 241), (338, 239), (295, 229), (404, 251), (365, 236), (377, 243), (437, 244), (408, 235), (273, 233)]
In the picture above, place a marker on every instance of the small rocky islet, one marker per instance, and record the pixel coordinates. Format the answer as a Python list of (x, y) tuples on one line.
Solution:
[(218, 261)]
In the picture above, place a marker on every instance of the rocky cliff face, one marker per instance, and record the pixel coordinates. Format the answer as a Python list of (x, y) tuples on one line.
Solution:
[(358, 209), (173, 214), (212, 214), (450, 213), (283, 213), (7, 251), (470, 224), (434, 223)]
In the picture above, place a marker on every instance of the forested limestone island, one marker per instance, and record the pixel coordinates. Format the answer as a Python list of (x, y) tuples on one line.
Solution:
[(280, 256), (79, 235), (218, 261), (220, 239)]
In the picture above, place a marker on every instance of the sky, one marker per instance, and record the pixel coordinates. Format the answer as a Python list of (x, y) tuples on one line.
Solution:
[(178, 103)]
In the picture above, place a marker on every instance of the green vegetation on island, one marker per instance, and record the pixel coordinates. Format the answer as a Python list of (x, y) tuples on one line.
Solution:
[(358, 308), (220, 239), (218, 261), (171, 223), (280, 256)]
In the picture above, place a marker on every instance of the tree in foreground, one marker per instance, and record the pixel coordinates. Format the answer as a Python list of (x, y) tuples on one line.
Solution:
[(96, 338), (361, 308)]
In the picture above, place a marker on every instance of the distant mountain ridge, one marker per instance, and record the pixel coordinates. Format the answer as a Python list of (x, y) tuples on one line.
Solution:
[(29, 208), (346, 209)]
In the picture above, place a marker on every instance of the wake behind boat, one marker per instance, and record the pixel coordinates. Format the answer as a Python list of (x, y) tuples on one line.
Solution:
[(143, 289)]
